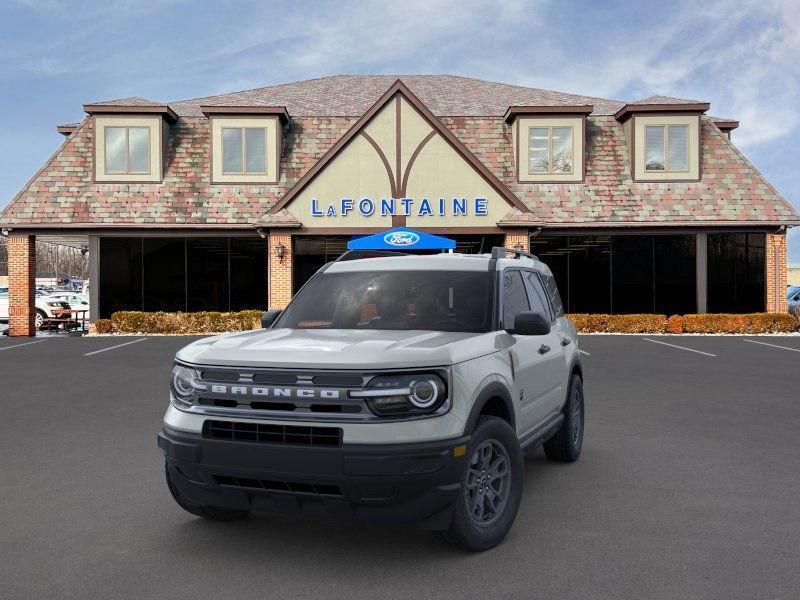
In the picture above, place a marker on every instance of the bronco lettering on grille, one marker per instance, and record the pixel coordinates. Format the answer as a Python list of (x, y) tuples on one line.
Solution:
[(275, 392)]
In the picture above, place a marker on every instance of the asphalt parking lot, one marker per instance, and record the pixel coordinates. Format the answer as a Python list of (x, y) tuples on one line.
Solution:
[(688, 487)]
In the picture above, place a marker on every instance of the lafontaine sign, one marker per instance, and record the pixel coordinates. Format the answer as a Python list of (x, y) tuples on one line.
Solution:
[(422, 207)]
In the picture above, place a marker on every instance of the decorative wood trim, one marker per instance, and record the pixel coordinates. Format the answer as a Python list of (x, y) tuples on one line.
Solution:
[(630, 109), (131, 109), (399, 87), (279, 111), (384, 160), (515, 111), (412, 158)]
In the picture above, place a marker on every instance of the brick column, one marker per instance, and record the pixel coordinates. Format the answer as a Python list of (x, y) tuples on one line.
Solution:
[(517, 237), (21, 284), (280, 270), (775, 273)]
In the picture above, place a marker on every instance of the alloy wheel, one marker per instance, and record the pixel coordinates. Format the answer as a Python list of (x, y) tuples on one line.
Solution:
[(488, 482)]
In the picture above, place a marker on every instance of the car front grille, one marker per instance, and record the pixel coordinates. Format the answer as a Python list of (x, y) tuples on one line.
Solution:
[(273, 434), (286, 487)]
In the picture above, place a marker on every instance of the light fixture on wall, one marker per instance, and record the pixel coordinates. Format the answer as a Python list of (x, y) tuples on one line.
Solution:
[(261, 233), (280, 252)]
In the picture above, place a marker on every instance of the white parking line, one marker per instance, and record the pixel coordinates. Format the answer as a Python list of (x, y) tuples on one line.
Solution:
[(20, 345), (680, 347), (113, 347), (584, 352), (771, 345)]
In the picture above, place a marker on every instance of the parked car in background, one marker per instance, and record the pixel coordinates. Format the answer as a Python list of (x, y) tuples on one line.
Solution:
[(76, 301), (47, 307), (793, 296), (3, 304)]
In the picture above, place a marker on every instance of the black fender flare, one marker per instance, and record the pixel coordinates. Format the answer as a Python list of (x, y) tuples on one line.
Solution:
[(495, 389)]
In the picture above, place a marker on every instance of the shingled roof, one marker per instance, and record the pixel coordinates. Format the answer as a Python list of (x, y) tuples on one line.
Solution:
[(352, 95), (731, 191)]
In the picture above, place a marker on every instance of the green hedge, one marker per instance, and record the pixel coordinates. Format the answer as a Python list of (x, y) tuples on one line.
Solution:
[(128, 321)]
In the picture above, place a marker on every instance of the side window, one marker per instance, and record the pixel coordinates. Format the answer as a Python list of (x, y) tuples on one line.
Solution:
[(537, 295), (552, 293), (515, 298)]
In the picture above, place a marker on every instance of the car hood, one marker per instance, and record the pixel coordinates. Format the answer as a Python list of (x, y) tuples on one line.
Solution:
[(338, 348)]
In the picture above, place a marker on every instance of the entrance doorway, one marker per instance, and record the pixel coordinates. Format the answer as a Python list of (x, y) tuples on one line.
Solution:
[(311, 252)]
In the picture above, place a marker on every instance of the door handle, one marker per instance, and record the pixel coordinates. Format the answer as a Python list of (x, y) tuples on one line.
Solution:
[(565, 341), (544, 349)]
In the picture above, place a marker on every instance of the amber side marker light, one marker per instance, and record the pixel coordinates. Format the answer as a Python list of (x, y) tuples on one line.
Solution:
[(460, 450)]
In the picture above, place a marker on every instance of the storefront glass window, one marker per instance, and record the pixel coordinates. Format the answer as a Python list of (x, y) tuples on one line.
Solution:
[(736, 272), (622, 274), (180, 274)]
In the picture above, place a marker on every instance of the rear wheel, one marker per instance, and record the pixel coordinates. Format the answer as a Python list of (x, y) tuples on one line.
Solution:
[(491, 488), (215, 513), (39, 319), (566, 444)]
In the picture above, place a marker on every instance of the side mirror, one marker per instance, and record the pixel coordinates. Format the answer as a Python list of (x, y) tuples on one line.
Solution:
[(268, 318), (531, 323)]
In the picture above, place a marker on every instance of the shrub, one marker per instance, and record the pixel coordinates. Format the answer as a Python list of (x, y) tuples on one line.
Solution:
[(585, 323), (746, 323), (103, 326), (706, 323), (197, 322), (675, 324)]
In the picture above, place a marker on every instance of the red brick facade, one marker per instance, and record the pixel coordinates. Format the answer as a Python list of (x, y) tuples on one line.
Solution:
[(280, 269), (776, 273), (518, 239), (21, 284)]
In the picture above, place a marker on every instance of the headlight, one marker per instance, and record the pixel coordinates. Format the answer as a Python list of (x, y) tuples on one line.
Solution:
[(405, 394), (185, 382)]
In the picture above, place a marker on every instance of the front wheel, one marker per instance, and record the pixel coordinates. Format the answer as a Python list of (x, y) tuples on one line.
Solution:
[(215, 513), (566, 444), (39, 318), (491, 488)]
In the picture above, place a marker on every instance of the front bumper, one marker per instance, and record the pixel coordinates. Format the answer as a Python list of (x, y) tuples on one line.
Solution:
[(409, 483)]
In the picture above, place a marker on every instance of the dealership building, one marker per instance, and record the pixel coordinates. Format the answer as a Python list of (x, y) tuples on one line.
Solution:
[(233, 201)]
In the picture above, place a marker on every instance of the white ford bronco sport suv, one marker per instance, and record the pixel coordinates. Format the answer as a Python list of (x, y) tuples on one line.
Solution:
[(396, 387)]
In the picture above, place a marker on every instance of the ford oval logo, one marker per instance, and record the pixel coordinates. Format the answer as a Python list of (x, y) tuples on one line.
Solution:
[(401, 238)]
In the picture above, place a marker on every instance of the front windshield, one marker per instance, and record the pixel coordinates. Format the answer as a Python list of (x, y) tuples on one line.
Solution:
[(433, 300)]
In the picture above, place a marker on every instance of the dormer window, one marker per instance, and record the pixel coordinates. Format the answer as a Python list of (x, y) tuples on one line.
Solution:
[(127, 150), (548, 142), (244, 150), (666, 148), (245, 143), (130, 140), (550, 150)]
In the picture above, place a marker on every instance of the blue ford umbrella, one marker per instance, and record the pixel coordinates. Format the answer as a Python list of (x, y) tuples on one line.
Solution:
[(401, 238)]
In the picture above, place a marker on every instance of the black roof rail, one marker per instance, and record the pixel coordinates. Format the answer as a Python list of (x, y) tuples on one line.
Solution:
[(357, 254), (498, 252)]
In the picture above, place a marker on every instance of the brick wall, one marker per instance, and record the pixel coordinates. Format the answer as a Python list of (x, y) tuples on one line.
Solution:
[(517, 237), (280, 271), (776, 273), (21, 284)]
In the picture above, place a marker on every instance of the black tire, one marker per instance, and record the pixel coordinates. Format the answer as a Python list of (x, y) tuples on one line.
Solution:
[(465, 530), (215, 513), (566, 444), (39, 322)]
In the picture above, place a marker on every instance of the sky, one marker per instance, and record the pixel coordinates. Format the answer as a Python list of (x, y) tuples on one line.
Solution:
[(739, 55)]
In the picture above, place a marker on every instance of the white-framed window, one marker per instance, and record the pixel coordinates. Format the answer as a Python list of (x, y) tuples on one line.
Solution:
[(666, 148), (244, 150), (127, 150), (550, 150)]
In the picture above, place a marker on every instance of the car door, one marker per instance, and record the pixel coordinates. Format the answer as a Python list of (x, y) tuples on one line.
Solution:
[(534, 358), (544, 293)]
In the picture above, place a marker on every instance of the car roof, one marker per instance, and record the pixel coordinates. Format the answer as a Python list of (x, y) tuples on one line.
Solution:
[(445, 261)]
